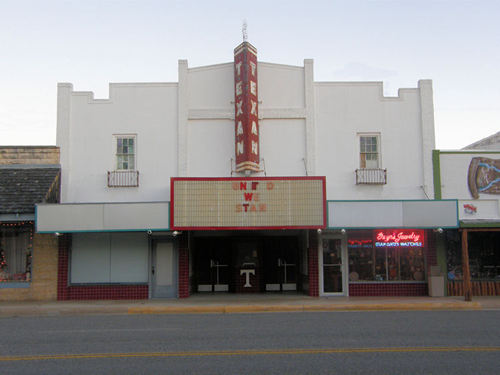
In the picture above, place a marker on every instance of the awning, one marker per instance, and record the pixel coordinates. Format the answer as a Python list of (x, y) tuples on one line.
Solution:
[(393, 214), (479, 223), (102, 217)]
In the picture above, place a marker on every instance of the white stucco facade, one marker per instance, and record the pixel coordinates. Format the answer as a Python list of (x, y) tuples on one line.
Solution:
[(453, 167), (326, 168), (186, 129)]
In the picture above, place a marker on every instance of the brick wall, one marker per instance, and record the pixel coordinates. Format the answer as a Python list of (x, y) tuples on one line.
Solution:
[(29, 155), (313, 264), (43, 286), (183, 266), (388, 289)]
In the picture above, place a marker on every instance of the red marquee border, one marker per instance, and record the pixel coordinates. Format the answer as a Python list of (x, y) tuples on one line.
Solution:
[(295, 178)]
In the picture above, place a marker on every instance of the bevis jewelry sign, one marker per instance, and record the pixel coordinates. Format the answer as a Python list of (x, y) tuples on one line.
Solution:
[(246, 109), (248, 203)]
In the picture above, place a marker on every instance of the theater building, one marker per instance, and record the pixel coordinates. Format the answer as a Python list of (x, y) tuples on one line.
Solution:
[(245, 177)]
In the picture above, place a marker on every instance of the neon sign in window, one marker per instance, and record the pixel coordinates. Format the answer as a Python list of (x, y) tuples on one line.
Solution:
[(399, 238), (355, 243)]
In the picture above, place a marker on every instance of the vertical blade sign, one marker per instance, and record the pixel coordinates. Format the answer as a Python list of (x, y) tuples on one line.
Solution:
[(246, 109)]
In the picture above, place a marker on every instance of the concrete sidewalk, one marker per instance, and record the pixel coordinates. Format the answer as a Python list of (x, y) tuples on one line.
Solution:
[(231, 303)]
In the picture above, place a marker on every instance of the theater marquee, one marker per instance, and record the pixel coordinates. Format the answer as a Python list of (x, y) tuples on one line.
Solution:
[(248, 203)]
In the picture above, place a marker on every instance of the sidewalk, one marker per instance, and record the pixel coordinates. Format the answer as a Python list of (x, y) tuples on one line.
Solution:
[(231, 303)]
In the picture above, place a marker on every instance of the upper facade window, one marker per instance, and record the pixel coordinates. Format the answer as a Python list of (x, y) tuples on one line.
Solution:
[(370, 171), (369, 151), (125, 152), (125, 173)]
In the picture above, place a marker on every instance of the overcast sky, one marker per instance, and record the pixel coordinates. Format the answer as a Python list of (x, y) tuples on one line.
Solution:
[(91, 43)]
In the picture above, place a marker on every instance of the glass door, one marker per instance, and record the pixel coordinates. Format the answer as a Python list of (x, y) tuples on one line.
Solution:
[(212, 261), (332, 265), (280, 264)]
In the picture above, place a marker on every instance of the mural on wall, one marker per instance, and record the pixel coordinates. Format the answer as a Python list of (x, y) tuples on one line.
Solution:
[(484, 176)]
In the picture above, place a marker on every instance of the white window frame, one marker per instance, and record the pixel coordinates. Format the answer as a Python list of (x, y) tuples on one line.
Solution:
[(379, 149), (115, 151)]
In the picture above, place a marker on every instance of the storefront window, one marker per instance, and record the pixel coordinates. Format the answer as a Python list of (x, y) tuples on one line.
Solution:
[(484, 257), (412, 265), (380, 262), (15, 252), (360, 259), (395, 255), (392, 264)]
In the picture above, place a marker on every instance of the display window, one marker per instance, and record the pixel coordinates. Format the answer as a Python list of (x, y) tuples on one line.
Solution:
[(386, 255), (16, 242), (484, 255)]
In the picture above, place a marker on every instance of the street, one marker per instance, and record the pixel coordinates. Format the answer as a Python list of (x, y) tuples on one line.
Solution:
[(411, 342)]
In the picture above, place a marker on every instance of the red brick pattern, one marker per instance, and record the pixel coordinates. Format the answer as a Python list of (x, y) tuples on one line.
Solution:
[(94, 292), (183, 267), (388, 289), (62, 267), (108, 292), (312, 259)]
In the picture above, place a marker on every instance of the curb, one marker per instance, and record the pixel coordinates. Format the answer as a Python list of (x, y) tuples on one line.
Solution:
[(229, 309)]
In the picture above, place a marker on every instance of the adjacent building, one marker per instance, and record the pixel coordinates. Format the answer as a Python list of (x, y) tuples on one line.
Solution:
[(246, 177), (472, 175), (28, 260)]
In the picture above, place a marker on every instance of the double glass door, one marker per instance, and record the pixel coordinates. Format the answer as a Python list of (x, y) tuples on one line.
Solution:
[(281, 264), (243, 264), (332, 264), (213, 266)]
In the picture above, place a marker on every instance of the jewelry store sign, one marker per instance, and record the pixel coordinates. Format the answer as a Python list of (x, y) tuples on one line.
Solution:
[(248, 203), (399, 238)]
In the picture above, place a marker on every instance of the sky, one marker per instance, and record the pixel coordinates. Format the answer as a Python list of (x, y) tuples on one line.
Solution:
[(91, 43)]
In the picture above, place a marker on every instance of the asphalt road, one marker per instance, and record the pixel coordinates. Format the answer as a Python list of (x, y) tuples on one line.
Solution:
[(453, 342)]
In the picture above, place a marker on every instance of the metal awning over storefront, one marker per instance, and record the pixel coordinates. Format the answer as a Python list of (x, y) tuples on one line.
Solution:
[(102, 217), (393, 214), (480, 223)]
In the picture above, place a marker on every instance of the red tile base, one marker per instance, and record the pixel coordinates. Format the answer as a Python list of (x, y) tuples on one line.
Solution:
[(183, 267), (388, 290), (312, 260), (107, 292)]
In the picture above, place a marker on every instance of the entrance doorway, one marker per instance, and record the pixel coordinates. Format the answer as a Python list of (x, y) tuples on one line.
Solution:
[(243, 264), (212, 265), (333, 252), (281, 261), (163, 270)]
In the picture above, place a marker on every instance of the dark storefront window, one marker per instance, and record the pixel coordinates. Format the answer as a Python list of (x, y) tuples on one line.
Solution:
[(484, 255), (15, 252), (399, 256), (360, 259)]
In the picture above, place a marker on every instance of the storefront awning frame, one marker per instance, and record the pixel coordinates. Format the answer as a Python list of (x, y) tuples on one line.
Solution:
[(102, 217), (416, 213)]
